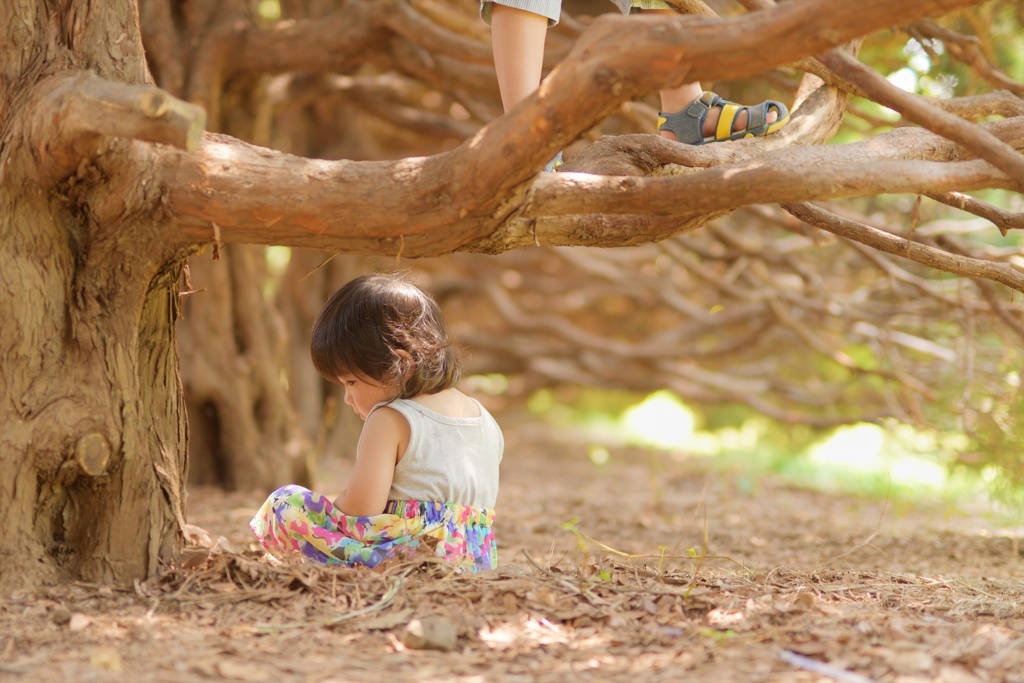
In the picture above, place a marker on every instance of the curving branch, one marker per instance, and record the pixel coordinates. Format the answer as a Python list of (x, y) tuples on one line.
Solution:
[(486, 196), (919, 109), (603, 71), (342, 41), (754, 183), (435, 39), (1003, 220), (966, 49), (893, 244), (452, 201)]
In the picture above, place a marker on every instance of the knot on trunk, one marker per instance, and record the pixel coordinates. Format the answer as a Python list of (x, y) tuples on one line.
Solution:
[(92, 452)]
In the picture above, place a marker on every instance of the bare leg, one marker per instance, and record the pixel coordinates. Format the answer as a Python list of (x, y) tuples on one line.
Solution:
[(674, 99), (517, 39)]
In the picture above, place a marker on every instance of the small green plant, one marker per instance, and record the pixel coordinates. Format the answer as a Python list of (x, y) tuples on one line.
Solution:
[(718, 636), (581, 541)]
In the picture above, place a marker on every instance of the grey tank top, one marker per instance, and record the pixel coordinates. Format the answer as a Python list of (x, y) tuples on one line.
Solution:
[(449, 459)]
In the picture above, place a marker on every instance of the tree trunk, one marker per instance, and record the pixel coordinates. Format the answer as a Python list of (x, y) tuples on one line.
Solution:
[(93, 437), (92, 448)]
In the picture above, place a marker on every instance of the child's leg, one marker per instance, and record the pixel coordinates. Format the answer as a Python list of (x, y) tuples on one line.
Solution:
[(517, 39), (518, 30), (296, 520)]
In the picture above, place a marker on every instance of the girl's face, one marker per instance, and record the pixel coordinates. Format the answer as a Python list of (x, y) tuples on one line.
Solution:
[(363, 393)]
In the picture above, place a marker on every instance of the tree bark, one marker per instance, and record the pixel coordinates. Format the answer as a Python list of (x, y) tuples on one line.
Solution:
[(93, 435)]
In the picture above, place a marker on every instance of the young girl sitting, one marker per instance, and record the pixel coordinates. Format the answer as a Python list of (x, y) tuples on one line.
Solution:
[(426, 470)]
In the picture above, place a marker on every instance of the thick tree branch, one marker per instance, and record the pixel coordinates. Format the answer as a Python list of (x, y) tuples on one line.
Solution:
[(140, 112), (411, 208), (757, 182), (255, 195), (603, 70), (448, 202)]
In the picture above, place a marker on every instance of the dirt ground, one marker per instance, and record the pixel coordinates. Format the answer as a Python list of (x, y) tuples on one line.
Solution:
[(730, 580)]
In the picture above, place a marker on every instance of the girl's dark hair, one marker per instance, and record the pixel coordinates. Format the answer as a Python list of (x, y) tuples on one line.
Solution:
[(364, 325)]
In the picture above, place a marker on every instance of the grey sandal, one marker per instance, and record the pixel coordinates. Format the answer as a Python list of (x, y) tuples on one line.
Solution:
[(688, 124)]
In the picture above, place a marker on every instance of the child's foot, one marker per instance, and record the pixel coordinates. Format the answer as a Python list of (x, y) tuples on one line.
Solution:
[(713, 119)]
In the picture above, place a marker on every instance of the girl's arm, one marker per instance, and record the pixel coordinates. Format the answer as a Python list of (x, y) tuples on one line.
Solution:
[(384, 437)]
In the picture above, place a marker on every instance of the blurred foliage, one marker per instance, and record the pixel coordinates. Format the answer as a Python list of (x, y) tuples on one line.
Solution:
[(968, 424), (737, 269)]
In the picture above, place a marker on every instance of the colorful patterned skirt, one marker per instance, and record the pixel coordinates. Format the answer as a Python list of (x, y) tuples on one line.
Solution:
[(296, 520)]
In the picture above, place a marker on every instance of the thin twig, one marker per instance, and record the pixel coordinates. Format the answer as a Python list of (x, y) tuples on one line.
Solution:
[(817, 667), (324, 263), (394, 586)]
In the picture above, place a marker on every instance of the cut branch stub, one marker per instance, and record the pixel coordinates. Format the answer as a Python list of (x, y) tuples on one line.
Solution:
[(141, 112), (92, 453)]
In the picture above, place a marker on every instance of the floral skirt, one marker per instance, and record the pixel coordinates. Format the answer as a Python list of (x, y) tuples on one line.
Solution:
[(296, 520)]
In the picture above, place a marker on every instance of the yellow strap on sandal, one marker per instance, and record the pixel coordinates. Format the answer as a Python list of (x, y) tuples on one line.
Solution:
[(724, 129)]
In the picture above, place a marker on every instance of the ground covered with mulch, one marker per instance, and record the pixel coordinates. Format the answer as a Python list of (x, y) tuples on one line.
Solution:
[(647, 568)]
